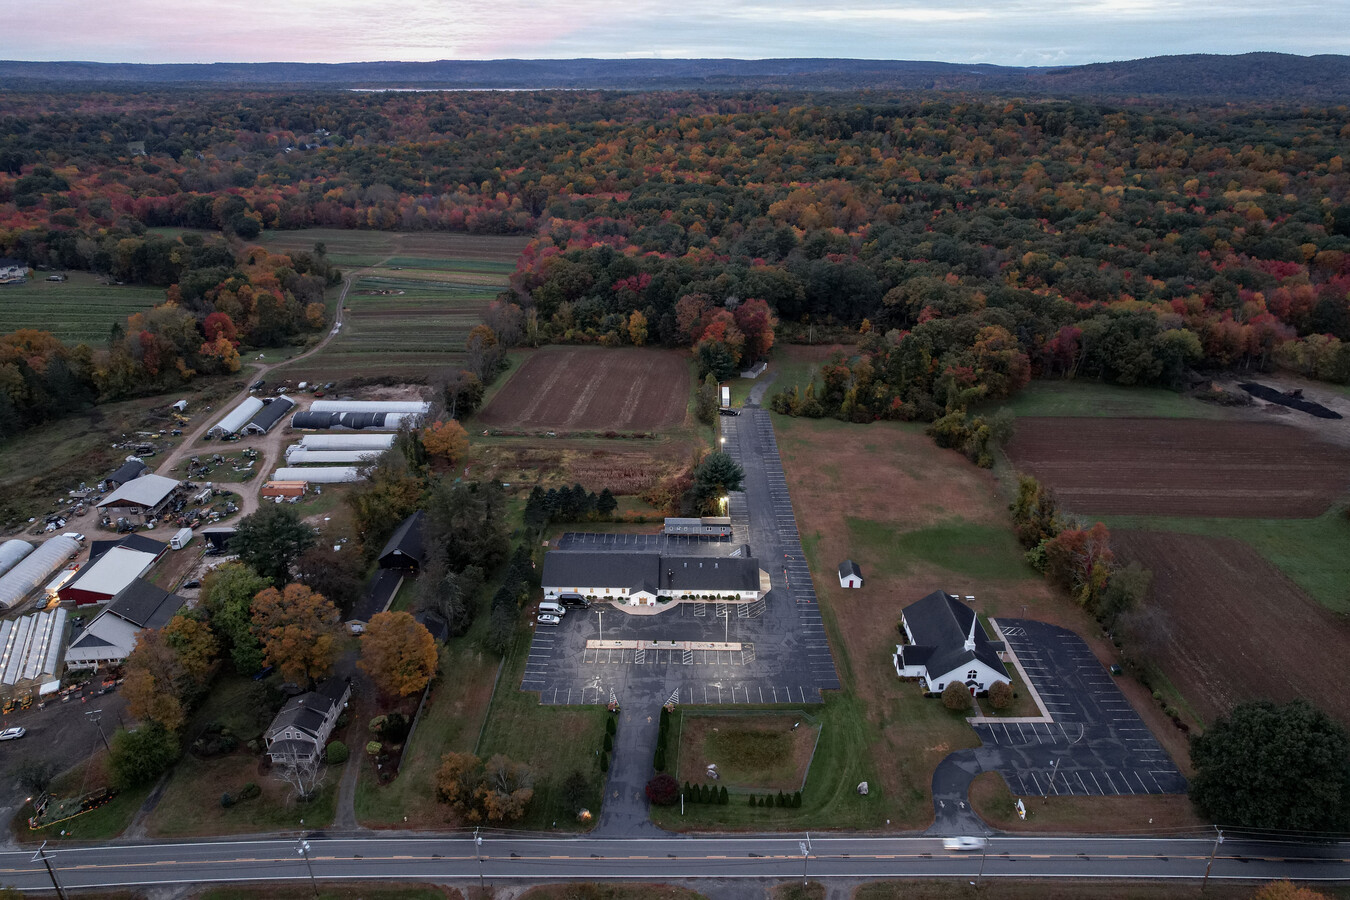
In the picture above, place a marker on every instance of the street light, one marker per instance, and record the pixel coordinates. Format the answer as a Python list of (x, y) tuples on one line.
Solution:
[(42, 855), (303, 850), (725, 616), (1218, 839), (600, 613), (96, 716), (478, 854), (806, 855)]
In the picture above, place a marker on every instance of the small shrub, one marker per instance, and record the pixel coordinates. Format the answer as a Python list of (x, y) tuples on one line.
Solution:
[(659, 761), (610, 726), (604, 762), (663, 790), (376, 725), (752, 799), (609, 743), (722, 798), (797, 800), (1000, 695), (373, 748), (226, 800), (956, 697), (337, 753), (249, 791)]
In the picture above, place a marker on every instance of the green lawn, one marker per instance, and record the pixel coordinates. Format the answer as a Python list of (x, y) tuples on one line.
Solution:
[(101, 824), (1093, 398), (964, 548), (1311, 552), (81, 310)]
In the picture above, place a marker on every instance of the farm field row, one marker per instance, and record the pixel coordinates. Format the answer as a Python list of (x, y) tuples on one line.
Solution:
[(80, 310)]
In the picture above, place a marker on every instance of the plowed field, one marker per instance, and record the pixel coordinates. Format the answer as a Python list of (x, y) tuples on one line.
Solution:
[(594, 389), (1181, 467), (1236, 629)]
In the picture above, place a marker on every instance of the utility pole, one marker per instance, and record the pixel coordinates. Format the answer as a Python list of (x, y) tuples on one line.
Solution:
[(984, 857), (478, 854), (600, 613), (1218, 839), (303, 850), (1045, 797), (806, 855), (42, 855), (96, 716)]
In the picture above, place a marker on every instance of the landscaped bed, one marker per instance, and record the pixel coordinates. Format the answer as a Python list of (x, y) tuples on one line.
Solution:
[(761, 752)]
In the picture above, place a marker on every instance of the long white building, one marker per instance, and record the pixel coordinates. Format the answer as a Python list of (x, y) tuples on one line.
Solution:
[(34, 570), (416, 407), (236, 418), (12, 552), (304, 457), (319, 474), (345, 442)]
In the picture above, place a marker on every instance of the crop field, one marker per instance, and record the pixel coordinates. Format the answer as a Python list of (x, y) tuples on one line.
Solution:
[(592, 388), (1233, 628), (1181, 467), (413, 303), (81, 310)]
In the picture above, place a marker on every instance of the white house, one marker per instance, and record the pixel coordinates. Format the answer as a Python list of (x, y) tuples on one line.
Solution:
[(300, 732), (112, 634), (13, 271), (947, 643), (639, 579), (850, 576)]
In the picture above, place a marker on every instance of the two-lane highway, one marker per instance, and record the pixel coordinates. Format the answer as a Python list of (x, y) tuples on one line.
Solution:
[(526, 858)]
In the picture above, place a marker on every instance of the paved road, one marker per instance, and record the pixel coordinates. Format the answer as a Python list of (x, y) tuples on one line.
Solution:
[(533, 859)]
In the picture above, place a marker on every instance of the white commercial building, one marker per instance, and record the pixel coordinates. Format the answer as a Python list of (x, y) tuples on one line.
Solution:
[(236, 418)]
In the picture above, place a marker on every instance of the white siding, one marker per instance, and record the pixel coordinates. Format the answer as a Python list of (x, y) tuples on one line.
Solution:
[(238, 417)]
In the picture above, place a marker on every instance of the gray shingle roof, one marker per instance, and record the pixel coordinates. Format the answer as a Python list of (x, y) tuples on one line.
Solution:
[(940, 624), (649, 571), (270, 414), (405, 544), (129, 470), (849, 567), (308, 711), (145, 605)]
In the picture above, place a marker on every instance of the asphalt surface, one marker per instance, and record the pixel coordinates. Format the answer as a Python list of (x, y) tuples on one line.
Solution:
[(512, 858), (1097, 744)]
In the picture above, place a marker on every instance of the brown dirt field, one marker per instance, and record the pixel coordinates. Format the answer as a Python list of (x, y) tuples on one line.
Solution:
[(594, 389), (696, 730), (1236, 627), (829, 466), (625, 467), (990, 797), (1181, 467)]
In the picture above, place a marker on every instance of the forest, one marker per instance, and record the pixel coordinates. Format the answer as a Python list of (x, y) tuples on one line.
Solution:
[(967, 243)]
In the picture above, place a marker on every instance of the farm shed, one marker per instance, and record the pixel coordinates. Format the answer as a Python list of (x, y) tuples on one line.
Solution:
[(12, 552), (130, 470), (112, 633), (218, 539), (416, 407), (320, 474), (269, 415), (324, 457), (371, 421), (947, 643), (236, 418), (30, 647), (180, 406), (850, 576), (343, 442), (403, 550), (144, 497), (107, 575), (638, 579), (283, 489), (33, 571)]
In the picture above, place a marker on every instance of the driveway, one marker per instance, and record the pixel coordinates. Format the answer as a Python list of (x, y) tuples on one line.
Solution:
[(1096, 744)]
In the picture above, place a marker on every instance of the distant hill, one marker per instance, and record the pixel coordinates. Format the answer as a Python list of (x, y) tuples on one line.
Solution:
[(1264, 76)]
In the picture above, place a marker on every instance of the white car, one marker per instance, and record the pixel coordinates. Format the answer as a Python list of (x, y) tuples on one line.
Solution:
[(12, 734), (964, 843), (548, 619)]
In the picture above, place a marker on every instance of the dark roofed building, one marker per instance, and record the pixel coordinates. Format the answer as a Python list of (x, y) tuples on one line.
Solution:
[(947, 643), (380, 591), (128, 471), (271, 413), (403, 550), (300, 731), (639, 579), (112, 634)]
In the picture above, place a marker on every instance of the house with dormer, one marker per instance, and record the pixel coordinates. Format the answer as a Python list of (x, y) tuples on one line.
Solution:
[(300, 732), (947, 643)]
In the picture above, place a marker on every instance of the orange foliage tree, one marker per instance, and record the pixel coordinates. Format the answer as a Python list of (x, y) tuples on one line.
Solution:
[(398, 653), (446, 440), (298, 631)]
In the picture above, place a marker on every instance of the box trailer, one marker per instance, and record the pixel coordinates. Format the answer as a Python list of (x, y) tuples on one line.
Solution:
[(181, 539)]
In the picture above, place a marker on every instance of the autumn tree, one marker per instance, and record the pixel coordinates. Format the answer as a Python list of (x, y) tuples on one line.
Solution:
[(757, 323), (270, 540), (705, 404), (192, 640), (446, 440), (1035, 513), (498, 791), (637, 328), (227, 597), (1079, 560), (391, 492), (155, 681), (1286, 890), (398, 653), (298, 630)]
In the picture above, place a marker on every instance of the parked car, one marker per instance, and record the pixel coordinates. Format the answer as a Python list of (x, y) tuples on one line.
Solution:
[(724, 411), (189, 585), (12, 734), (964, 843), (548, 619)]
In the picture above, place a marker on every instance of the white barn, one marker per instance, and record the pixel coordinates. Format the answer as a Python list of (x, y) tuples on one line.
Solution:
[(236, 418), (947, 643)]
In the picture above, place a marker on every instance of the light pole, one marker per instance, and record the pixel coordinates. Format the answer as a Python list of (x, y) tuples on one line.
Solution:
[(303, 850), (1218, 839), (42, 855), (980, 874), (478, 855), (600, 613), (806, 855), (1045, 797), (725, 616), (96, 716)]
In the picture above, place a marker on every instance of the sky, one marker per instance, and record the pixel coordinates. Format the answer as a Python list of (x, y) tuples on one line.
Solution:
[(1008, 32)]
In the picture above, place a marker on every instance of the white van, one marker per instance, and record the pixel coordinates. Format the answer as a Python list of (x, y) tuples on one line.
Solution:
[(554, 609)]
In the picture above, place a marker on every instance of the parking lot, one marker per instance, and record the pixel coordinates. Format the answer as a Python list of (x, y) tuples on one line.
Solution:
[(785, 657), (1096, 745)]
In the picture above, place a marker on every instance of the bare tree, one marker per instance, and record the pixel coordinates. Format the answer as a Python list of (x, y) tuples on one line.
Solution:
[(305, 774)]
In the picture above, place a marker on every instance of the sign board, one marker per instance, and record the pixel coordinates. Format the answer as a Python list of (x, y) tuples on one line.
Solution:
[(726, 396), (1021, 810)]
